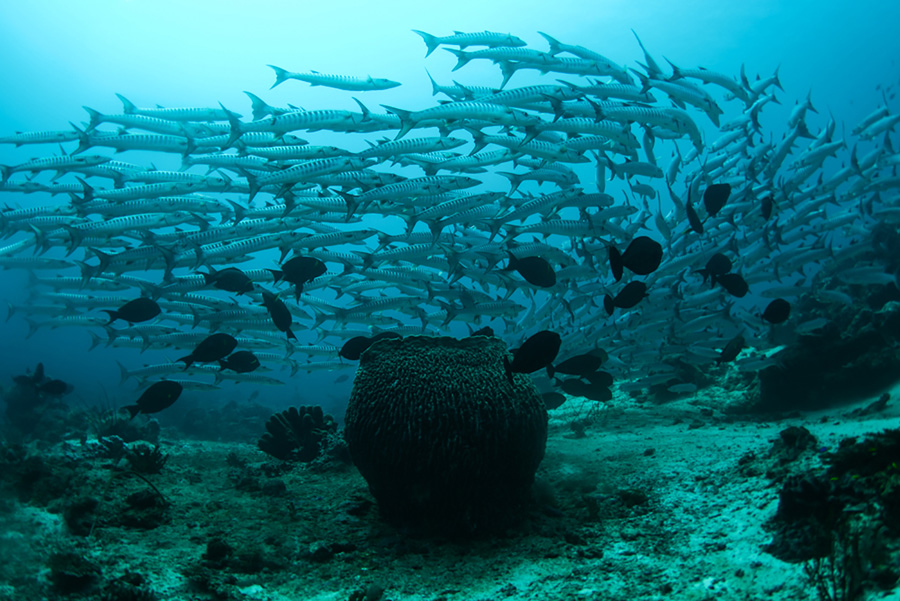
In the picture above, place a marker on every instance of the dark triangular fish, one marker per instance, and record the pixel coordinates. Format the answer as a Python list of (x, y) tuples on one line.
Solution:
[(731, 350), (135, 311), (715, 198), (298, 271), (354, 347), (579, 365), (553, 400), (535, 270), (615, 263), (717, 265), (230, 279), (241, 362), (156, 398), (592, 392), (278, 311), (734, 284), (642, 256), (627, 298), (600, 378), (536, 353), (766, 207), (777, 311), (212, 348), (693, 218)]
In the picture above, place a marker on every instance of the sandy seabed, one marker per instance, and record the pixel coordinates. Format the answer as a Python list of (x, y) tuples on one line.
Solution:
[(655, 501)]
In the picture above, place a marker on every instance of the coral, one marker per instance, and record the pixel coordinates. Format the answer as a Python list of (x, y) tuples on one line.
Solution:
[(441, 435), (297, 434), (105, 423), (72, 573), (145, 459), (853, 356)]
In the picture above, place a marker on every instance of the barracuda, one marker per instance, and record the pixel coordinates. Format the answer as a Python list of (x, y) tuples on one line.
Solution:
[(340, 82), (464, 40)]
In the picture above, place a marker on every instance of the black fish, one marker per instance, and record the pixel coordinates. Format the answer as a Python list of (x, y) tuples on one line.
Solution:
[(694, 219), (590, 391), (156, 398), (354, 347), (715, 198), (718, 265), (55, 387), (615, 263), (230, 279), (579, 365), (485, 331), (279, 312), (731, 350), (777, 312), (298, 271), (600, 378), (766, 207), (642, 256), (211, 348), (535, 270), (241, 362), (552, 400), (135, 311), (628, 297), (734, 284), (536, 353)]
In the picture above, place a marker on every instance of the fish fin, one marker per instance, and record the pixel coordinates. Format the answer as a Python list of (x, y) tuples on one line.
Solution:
[(431, 42), (281, 75), (608, 304), (132, 410), (508, 368)]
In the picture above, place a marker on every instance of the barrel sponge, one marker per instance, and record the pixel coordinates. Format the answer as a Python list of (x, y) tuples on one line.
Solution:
[(442, 437)]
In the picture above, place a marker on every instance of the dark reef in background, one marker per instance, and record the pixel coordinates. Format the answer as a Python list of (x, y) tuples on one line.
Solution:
[(853, 356), (443, 439)]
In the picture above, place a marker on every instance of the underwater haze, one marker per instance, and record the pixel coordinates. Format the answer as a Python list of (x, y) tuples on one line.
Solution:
[(60, 56), (458, 300)]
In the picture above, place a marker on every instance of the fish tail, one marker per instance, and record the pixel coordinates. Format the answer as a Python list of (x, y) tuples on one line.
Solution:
[(431, 42), (123, 373), (84, 141), (555, 46), (676, 72), (508, 69), (435, 88), (803, 131), (234, 123), (551, 371), (281, 75), (608, 304), (127, 106), (96, 118), (462, 58), (405, 116), (259, 106)]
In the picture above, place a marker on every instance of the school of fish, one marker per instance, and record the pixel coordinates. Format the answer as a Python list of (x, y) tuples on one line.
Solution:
[(631, 216)]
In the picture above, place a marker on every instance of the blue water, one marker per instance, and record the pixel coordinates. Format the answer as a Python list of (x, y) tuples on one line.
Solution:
[(58, 56)]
